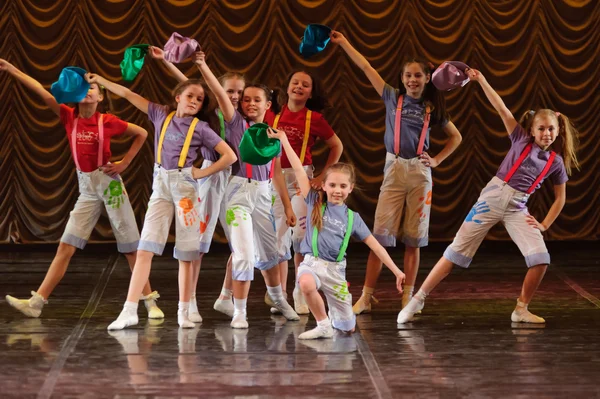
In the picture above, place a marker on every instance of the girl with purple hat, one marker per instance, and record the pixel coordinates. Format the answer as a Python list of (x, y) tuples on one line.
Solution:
[(180, 131), (407, 184), (100, 183), (530, 160)]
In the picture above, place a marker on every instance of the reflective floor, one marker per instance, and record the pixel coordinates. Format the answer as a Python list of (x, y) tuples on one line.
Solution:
[(463, 345)]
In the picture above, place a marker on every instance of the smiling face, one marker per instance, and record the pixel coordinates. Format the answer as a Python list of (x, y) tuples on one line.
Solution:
[(189, 102), (234, 87), (414, 79), (300, 87), (337, 185), (255, 104), (545, 130)]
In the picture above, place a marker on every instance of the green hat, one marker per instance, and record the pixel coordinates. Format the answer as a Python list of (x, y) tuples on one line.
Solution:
[(256, 148), (133, 61)]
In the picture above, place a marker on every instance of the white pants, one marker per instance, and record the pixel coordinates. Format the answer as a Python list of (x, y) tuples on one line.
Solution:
[(498, 202), (211, 193), (173, 192), (286, 236), (404, 181), (251, 226), (96, 191), (331, 279)]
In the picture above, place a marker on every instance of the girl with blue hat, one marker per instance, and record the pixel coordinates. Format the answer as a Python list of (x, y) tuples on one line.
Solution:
[(100, 184)]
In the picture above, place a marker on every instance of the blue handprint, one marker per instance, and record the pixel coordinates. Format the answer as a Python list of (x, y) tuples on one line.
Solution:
[(479, 208)]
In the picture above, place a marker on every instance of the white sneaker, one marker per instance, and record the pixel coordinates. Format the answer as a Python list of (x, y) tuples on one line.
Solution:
[(299, 301), (194, 314), (31, 307), (224, 306), (183, 319), (522, 315), (288, 312), (154, 311), (318, 332), (239, 321), (127, 318), (407, 313)]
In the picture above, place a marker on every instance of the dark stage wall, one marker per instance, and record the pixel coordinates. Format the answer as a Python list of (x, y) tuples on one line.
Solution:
[(534, 53)]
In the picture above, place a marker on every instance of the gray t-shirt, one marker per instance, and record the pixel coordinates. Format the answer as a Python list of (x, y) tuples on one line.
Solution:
[(410, 126), (235, 131), (532, 165), (331, 236), (175, 136)]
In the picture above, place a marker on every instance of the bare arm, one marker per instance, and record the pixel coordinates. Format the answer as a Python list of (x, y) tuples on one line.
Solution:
[(280, 187), (140, 134), (385, 258), (159, 54), (31, 84), (301, 176), (560, 196), (373, 76), (454, 140), (335, 152), (213, 84), (507, 117), (227, 157), (138, 101)]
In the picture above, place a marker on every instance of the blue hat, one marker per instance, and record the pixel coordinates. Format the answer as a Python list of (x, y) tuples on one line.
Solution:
[(71, 86), (315, 39)]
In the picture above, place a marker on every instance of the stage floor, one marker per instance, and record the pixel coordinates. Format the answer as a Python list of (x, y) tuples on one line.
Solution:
[(463, 345)]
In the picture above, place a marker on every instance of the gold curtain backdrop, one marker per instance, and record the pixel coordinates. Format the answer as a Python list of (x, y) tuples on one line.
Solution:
[(537, 53)]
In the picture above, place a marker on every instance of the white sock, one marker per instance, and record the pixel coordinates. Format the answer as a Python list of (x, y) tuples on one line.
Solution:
[(239, 306), (183, 306), (276, 293), (421, 295), (225, 293), (132, 306), (324, 323)]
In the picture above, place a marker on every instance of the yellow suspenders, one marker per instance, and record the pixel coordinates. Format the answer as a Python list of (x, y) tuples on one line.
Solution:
[(186, 144), (306, 132)]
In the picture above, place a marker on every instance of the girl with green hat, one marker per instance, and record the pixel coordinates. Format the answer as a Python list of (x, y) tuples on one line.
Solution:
[(100, 184)]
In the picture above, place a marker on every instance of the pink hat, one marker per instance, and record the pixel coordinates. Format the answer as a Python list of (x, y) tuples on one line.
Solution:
[(450, 75), (178, 48)]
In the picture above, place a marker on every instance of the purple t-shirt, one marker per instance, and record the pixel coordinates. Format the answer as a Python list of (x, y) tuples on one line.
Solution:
[(204, 136), (235, 131), (532, 165), (410, 125), (331, 236), (212, 155)]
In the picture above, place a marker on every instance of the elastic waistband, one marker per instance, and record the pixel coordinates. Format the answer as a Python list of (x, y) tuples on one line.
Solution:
[(172, 171), (505, 187), (327, 263), (239, 179), (392, 157)]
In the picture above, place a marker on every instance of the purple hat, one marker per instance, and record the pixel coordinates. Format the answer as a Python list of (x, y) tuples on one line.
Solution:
[(450, 75), (178, 48)]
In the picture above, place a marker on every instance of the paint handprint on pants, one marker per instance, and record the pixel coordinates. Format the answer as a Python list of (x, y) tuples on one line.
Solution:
[(427, 203), (187, 212), (341, 291), (230, 216), (114, 194), (479, 208)]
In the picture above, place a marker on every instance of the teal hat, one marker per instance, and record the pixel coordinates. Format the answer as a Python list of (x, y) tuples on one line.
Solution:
[(256, 148), (315, 39), (71, 86), (133, 61)]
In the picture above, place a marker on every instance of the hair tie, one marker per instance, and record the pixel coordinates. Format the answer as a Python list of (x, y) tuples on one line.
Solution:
[(531, 112), (430, 65), (557, 114)]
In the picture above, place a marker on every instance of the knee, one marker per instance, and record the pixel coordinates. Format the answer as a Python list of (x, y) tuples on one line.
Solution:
[(307, 284)]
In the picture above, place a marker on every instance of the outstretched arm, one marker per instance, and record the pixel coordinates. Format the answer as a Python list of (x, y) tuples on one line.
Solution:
[(138, 101), (31, 84), (373, 76), (507, 117), (385, 258), (213, 84), (159, 54), (301, 176)]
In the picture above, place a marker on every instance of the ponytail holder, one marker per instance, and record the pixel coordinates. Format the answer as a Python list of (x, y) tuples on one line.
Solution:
[(557, 114), (431, 66)]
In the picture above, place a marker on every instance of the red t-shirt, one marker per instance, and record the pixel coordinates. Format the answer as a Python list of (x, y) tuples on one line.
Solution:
[(87, 136), (293, 123)]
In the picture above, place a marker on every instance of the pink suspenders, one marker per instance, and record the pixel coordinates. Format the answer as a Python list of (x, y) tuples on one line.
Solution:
[(426, 119), (100, 141), (520, 160)]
